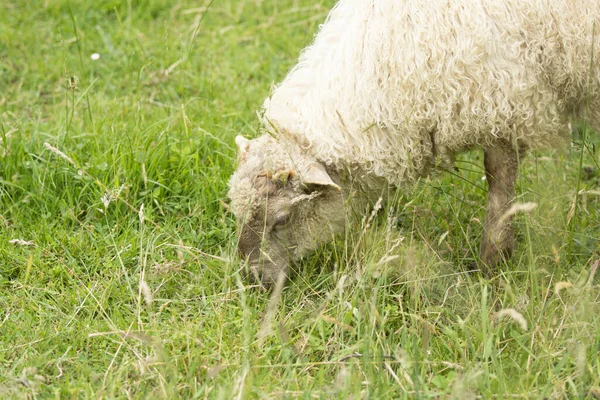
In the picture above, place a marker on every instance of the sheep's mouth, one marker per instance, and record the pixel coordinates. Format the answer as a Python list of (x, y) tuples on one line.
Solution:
[(266, 273), (264, 267)]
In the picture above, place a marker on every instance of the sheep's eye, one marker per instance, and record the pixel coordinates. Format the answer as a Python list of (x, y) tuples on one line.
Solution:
[(282, 221)]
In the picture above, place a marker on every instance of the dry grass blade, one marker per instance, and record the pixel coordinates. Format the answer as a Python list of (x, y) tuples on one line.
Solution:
[(21, 242), (59, 153), (386, 259), (560, 286), (514, 315), (146, 293), (271, 308), (515, 208), (141, 214)]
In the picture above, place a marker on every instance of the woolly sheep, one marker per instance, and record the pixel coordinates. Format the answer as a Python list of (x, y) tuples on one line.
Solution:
[(390, 90)]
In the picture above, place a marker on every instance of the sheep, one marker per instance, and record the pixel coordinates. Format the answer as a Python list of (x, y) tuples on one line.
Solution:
[(389, 91)]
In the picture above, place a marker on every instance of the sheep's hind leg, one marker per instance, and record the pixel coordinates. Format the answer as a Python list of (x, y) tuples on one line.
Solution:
[(501, 168)]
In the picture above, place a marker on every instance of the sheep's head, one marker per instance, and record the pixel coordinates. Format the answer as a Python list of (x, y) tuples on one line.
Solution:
[(286, 205)]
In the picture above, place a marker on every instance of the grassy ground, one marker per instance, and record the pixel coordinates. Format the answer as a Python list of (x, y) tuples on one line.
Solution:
[(97, 302)]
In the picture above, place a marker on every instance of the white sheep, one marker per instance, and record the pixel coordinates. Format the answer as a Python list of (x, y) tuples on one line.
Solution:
[(391, 89)]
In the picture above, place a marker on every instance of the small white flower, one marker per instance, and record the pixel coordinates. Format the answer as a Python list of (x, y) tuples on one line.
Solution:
[(95, 56), (105, 199), (110, 196)]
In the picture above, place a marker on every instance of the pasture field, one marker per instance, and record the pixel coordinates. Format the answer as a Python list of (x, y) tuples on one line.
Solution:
[(118, 269)]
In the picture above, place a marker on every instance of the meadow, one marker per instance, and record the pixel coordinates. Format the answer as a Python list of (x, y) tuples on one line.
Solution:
[(118, 269)]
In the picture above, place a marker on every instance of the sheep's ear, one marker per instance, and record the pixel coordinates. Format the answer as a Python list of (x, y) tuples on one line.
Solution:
[(315, 174), (243, 145)]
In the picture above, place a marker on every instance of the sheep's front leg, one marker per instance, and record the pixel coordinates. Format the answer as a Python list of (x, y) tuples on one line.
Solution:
[(501, 167)]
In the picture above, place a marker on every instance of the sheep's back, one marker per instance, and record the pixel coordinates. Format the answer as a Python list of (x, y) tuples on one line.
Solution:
[(388, 85)]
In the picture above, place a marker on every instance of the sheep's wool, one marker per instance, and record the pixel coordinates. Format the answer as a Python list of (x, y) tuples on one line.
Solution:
[(388, 86)]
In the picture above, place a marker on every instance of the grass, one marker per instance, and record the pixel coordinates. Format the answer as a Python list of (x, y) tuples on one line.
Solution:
[(125, 284)]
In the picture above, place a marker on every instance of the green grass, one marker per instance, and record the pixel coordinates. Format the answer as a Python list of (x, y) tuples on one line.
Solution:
[(103, 304)]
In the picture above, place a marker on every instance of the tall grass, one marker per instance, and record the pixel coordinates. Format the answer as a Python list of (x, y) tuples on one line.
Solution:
[(118, 273)]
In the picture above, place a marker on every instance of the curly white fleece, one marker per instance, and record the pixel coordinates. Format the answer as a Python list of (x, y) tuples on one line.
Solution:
[(389, 85)]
